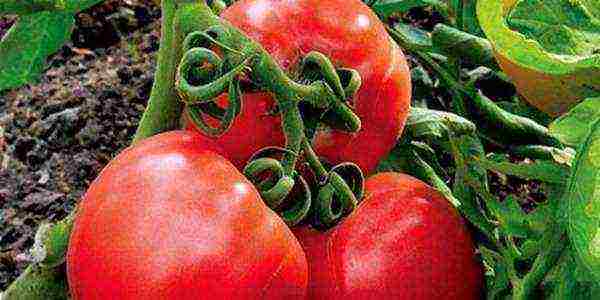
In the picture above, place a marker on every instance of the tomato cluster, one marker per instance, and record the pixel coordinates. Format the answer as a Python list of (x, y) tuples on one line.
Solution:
[(173, 218)]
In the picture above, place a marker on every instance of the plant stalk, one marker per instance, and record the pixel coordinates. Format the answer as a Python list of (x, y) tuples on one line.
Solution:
[(164, 107)]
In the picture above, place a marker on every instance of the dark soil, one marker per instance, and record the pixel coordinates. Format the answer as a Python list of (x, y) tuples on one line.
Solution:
[(57, 135)]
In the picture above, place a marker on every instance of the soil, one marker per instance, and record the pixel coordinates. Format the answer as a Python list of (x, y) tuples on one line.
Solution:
[(57, 135)]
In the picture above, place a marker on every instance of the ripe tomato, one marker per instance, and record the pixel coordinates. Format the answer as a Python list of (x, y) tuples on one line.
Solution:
[(404, 241), (253, 129), (352, 37), (169, 219)]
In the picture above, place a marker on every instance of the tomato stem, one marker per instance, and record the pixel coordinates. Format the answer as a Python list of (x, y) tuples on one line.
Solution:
[(217, 56), (179, 18), (313, 161)]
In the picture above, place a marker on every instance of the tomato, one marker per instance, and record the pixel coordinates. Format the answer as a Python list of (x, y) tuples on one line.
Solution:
[(404, 241), (255, 127), (352, 37), (171, 219)]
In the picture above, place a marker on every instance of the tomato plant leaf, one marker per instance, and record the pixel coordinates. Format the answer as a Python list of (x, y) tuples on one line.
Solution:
[(418, 160), (422, 84), (545, 171), (525, 110), (464, 148), (560, 27), (386, 8), (496, 274), (549, 48), (573, 127), (418, 38), (567, 281), (24, 49), (470, 22), (433, 124), (511, 218), (24, 7), (459, 44), (583, 201)]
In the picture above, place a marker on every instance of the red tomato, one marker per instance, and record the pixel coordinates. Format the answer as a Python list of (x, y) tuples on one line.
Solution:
[(169, 219), (254, 128), (353, 37), (404, 241)]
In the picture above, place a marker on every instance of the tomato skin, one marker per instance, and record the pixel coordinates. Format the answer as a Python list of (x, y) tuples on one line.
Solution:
[(352, 36), (169, 219), (405, 242), (253, 129)]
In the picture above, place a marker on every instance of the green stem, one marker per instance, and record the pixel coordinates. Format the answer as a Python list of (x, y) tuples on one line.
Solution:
[(313, 160), (180, 17), (293, 128), (45, 277), (163, 107)]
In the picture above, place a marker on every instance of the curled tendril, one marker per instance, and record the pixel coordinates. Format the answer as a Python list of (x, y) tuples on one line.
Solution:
[(334, 201), (301, 203), (316, 64), (202, 76), (272, 194), (337, 85), (207, 38), (291, 198), (353, 176), (351, 81), (339, 196), (209, 88), (225, 117), (272, 151)]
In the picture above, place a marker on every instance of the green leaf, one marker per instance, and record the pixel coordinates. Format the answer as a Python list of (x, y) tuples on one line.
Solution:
[(422, 85), (560, 156), (505, 127), (417, 160), (385, 8), (572, 128), (548, 47), (545, 171), (583, 201), (523, 109), (24, 7), (496, 274), (418, 39), (464, 148), (423, 123), (459, 44), (561, 27), (512, 219), (470, 22), (24, 49), (567, 281)]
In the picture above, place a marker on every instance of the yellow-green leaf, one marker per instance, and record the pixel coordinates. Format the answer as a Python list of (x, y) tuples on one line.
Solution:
[(549, 48)]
